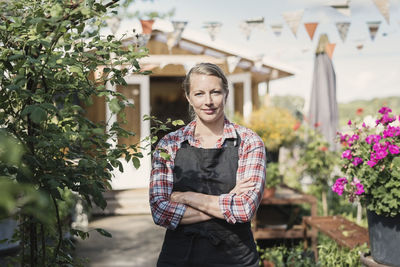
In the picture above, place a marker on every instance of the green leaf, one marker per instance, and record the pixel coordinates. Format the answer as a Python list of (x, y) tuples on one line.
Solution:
[(114, 106), (178, 122), (165, 155), (103, 232), (136, 162), (56, 11), (38, 115)]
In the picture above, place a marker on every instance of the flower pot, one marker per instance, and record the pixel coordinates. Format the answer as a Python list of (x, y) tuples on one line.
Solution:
[(384, 238), (267, 263), (269, 192)]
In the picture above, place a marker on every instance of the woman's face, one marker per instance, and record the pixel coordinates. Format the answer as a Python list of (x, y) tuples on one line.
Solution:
[(207, 97)]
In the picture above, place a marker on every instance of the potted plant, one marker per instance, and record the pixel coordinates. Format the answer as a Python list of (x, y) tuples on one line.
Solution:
[(273, 179), (276, 128), (371, 164), (271, 257), (317, 161)]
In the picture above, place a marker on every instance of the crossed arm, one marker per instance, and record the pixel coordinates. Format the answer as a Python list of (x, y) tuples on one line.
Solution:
[(202, 207)]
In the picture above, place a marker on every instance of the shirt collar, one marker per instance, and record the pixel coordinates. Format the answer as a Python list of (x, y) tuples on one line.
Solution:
[(229, 132)]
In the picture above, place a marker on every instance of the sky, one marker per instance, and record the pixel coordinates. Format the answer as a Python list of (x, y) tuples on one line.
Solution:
[(371, 72)]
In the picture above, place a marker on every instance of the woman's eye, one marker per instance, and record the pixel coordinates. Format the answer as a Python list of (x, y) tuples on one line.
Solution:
[(217, 92), (198, 94)]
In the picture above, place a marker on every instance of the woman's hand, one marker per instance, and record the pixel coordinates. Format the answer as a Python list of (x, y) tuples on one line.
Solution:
[(243, 186), (178, 197)]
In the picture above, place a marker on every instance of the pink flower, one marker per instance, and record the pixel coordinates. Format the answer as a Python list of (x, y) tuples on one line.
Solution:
[(357, 161), (393, 149), (349, 122), (360, 189), (381, 154), (364, 125), (372, 163), (385, 110), (338, 186), (373, 138), (347, 154)]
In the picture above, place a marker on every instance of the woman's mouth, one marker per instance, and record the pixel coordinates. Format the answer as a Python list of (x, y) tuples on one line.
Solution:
[(209, 111)]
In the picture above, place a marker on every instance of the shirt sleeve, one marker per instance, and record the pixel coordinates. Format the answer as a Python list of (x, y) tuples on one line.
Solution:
[(165, 212), (252, 162)]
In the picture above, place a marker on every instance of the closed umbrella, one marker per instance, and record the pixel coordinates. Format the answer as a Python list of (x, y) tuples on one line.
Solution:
[(323, 113)]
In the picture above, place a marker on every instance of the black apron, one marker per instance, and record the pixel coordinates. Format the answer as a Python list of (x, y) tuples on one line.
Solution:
[(214, 242)]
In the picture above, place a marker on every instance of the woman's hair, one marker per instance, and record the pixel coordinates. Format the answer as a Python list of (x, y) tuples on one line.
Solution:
[(205, 69)]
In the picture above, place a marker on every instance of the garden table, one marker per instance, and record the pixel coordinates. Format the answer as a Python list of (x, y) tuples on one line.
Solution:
[(342, 231), (267, 226)]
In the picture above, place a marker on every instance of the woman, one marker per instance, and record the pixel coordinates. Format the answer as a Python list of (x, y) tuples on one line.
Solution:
[(209, 187)]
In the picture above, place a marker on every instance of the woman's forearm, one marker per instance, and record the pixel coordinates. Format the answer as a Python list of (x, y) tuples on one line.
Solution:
[(192, 215), (208, 204)]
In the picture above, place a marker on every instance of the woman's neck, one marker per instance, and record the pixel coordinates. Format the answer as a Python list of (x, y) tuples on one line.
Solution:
[(209, 133)]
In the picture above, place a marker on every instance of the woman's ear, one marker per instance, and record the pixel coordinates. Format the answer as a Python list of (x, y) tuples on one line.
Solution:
[(188, 99), (226, 95)]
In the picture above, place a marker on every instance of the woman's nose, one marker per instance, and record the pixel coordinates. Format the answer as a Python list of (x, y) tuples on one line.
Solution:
[(209, 99)]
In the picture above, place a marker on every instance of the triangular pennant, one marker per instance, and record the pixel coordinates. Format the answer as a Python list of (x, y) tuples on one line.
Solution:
[(256, 23), (213, 28), (246, 29), (359, 46), (232, 61), (277, 29), (343, 29), (383, 6), (373, 27), (311, 27), (293, 19), (142, 39), (342, 7), (329, 49), (174, 37), (147, 26)]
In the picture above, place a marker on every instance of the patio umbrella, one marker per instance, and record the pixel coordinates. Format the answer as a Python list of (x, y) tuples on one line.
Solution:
[(323, 113)]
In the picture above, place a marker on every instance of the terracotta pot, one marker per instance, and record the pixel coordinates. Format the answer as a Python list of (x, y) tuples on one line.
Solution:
[(267, 263), (269, 192)]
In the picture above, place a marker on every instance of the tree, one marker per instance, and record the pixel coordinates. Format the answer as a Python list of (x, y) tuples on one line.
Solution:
[(48, 51)]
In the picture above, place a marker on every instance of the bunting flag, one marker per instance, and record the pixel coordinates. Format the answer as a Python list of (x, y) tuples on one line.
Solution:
[(330, 47), (232, 61), (175, 36), (147, 26), (293, 19), (342, 7), (213, 28), (359, 46), (141, 39), (343, 29), (246, 29), (310, 28), (277, 29), (248, 25), (373, 27), (383, 7)]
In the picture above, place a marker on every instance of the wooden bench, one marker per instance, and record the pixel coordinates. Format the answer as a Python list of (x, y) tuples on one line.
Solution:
[(344, 232)]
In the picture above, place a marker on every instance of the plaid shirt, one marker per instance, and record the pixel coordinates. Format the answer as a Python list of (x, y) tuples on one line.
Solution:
[(235, 208)]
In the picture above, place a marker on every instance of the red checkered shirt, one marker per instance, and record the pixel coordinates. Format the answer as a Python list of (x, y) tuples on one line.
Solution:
[(235, 208)]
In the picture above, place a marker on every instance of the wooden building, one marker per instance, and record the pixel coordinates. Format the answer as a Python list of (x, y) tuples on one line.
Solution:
[(161, 94)]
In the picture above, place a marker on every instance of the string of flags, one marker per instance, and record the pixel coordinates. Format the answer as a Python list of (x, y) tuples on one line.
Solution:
[(292, 19)]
